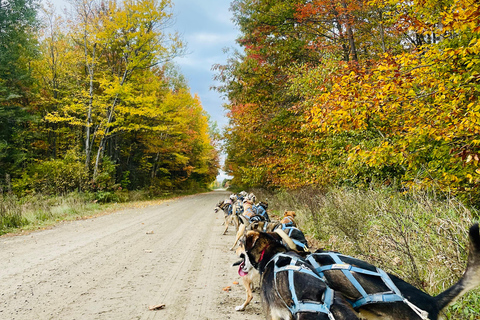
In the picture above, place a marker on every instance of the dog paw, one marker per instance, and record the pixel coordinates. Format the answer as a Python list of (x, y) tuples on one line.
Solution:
[(240, 308)]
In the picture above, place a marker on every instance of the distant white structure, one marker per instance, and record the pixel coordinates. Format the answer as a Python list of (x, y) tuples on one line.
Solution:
[(222, 176)]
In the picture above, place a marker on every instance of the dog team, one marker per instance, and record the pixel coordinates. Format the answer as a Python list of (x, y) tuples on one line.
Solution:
[(295, 283)]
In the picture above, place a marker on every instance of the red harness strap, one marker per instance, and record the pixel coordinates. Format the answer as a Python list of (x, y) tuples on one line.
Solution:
[(263, 252)]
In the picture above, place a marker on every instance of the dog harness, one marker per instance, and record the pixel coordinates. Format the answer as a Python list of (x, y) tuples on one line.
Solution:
[(297, 265), (394, 295), (228, 205), (249, 213), (238, 208), (261, 212), (289, 231), (290, 222)]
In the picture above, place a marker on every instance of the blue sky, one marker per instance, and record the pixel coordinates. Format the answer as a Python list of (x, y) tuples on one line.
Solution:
[(207, 28)]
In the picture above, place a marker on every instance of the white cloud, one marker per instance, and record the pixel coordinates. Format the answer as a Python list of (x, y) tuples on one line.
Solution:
[(217, 39)]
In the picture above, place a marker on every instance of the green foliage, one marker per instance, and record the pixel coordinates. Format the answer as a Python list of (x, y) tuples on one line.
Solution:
[(14, 138), (467, 308), (105, 179), (100, 107), (59, 176), (125, 180), (10, 215), (343, 94), (18, 24)]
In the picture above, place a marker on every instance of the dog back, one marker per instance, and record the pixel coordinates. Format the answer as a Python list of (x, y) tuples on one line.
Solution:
[(301, 290)]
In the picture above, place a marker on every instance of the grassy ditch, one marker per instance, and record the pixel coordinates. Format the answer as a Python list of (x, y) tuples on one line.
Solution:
[(418, 237)]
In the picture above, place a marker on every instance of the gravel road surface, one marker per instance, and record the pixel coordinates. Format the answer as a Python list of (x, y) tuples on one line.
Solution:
[(116, 266)]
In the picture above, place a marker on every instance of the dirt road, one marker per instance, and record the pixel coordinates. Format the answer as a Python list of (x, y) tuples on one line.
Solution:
[(115, 266)]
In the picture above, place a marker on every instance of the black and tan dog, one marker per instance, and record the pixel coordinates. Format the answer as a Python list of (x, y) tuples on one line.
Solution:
[(252, 277), (378, 295), (293, 241), (236, 209), (226, 207), (373, 293), (290, 289)]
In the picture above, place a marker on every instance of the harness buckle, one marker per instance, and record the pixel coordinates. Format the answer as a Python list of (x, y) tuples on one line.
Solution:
[(341, 266)]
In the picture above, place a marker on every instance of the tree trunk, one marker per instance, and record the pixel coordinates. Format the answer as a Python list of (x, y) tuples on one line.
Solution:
[(107, 128), (88, 143)]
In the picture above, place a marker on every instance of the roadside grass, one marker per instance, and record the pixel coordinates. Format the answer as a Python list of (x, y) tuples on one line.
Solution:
[(417, 236), (38, 211)]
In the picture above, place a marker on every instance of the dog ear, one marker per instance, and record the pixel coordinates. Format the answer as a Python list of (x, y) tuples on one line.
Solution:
[(251, 239)]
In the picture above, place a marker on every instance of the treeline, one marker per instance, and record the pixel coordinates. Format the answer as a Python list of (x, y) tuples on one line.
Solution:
[(347, 92), (89, 101)]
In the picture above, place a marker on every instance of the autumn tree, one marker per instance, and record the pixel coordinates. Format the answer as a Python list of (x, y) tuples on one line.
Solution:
[(117, 41), (171, 149), (414, 114), (376, 90), (256, 84), (55, 80), (108, 99)]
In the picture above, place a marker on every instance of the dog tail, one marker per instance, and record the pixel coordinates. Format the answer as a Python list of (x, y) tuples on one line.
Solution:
[(244, 220), (286, 238), (471, 278)]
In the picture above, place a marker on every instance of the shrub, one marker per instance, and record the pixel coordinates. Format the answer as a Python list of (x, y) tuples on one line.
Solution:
[(59, 176)]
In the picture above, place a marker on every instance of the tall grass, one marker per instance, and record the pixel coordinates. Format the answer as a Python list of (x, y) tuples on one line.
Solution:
[(416, 236), (35, 211)]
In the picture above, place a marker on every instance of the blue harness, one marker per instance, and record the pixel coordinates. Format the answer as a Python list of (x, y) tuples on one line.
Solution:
[(288, 224), (259, 210), (297, 265), (394, 295), (289, 230)]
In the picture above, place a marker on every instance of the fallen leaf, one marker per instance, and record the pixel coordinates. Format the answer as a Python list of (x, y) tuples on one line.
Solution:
[(226, 288), (150, 232), (235, 282), (156, 307), (148, 251)]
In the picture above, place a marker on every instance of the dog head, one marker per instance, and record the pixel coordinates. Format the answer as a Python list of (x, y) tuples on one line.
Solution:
[(255, 249), (223, 205), (289, 214), (288, 218), (219, 206)]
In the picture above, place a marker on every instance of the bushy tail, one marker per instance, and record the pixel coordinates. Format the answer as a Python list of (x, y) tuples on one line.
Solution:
[(471, 278)]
